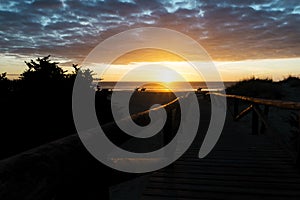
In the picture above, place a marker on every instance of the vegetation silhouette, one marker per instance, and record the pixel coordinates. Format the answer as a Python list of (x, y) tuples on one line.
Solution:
[(43, 70), (264, 87), (37, 108), (286, 90), (255, 87), (4, 84)]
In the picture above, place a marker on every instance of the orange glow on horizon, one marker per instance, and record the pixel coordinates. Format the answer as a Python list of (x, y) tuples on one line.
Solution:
[(148, 55), (277, 69), (155, 61)]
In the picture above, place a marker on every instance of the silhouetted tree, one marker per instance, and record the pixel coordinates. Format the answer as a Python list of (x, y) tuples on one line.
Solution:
[(4, 84), (38, 108), (3, 77), (43, 70), (84, 74)]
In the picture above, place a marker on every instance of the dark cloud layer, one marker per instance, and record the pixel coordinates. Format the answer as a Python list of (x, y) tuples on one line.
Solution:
[(229, 30)]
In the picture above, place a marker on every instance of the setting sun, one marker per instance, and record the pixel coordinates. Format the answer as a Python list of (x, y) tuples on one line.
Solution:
[(167, 77)]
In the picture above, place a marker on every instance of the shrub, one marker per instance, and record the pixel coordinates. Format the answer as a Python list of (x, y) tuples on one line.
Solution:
[(254, 87)]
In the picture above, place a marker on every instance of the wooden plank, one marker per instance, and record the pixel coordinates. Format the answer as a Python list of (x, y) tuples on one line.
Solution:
[(235, 164), (236, 170), (212, 194), (154, 197), (240, 156), (242, 161), (228, 183), (233, 173), (224, 188), (286, 180)]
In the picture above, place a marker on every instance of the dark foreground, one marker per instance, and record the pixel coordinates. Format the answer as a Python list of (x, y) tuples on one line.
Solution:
[(241, 166)]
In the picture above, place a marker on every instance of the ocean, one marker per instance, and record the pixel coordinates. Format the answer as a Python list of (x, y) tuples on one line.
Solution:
[(162, 87)]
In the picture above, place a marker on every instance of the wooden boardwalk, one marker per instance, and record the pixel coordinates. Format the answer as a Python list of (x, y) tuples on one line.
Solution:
[(241, 166)]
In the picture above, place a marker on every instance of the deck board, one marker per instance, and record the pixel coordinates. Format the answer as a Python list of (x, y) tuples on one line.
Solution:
[(241, 166)]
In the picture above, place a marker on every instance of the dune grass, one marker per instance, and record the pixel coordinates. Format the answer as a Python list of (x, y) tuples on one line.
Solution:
[(255, 87)]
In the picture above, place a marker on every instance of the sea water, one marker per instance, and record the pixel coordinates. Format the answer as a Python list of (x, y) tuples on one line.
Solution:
[(163, 87)]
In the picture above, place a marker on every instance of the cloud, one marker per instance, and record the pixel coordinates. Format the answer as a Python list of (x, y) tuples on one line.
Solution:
[(228, 30)]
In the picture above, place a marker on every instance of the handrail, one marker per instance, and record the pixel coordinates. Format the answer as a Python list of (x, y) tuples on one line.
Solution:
[(133, 116), (257, 115), (268, 102)]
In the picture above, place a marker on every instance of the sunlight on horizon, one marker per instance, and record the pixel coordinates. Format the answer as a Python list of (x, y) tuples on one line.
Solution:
[(166, 77), (276, 69)]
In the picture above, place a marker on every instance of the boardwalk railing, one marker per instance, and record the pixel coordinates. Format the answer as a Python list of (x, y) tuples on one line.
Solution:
[(64, 169), (260, 116)]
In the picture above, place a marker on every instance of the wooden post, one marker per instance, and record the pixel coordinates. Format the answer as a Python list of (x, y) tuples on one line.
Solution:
[(254, 122), (168, 126), (263, 126), (235, 107)]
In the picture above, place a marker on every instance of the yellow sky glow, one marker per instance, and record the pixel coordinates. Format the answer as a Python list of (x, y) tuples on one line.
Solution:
[(229, 70)]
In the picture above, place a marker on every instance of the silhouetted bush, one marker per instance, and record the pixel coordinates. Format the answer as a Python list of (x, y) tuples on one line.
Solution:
[(292, 81), (4, 85), (260, 88), (37, 108)]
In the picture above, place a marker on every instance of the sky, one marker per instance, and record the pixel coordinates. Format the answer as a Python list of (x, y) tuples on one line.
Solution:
[(244, 38)]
